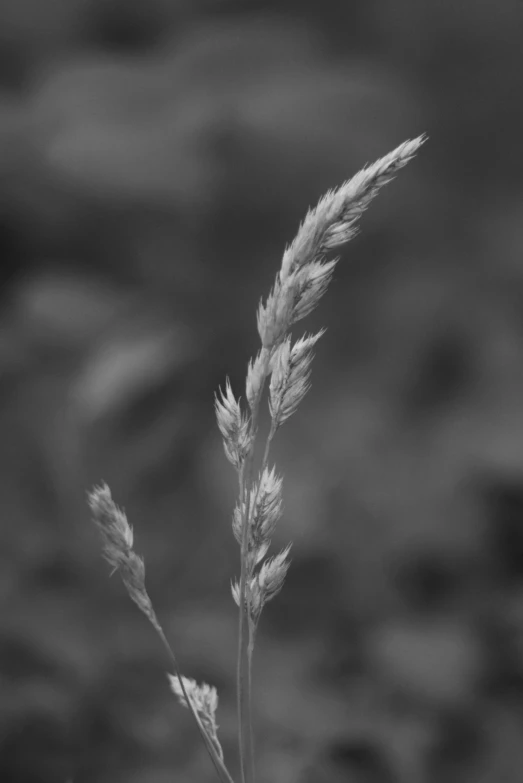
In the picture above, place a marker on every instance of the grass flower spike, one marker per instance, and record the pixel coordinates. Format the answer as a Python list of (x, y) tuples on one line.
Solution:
[(332, 223), (204, 700), (272, 575), (290, 376), (233, 425), (302, 280), (117, 546)]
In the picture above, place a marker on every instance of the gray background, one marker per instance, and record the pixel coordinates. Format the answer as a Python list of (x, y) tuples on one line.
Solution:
[(155, 157)]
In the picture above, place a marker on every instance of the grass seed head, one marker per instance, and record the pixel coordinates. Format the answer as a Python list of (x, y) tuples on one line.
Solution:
[(233, 425), (116, 532), (332, 222), (117, 546), (271, 576), (312, 280), (204, 699), (265, 510), (275, 317), (256, 374), (290, 376)]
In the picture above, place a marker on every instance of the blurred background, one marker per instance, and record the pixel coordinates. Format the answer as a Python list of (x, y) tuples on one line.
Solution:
[(155, 157)]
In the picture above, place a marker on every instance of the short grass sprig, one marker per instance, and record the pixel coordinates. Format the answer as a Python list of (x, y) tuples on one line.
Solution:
[(303, 278), (117, 545)]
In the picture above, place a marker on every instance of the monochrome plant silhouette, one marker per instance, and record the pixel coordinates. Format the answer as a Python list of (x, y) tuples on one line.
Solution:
[(303, 278)]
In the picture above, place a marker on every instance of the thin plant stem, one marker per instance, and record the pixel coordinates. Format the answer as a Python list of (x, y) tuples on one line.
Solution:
[(249, 707), (252, 627), (250, 651), (242, 612), (243, 684)]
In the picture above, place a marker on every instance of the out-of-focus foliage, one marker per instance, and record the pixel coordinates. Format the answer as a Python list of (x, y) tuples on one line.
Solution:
[(155, 157)]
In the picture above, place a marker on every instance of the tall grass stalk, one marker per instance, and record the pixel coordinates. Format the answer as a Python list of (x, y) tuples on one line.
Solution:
[(303, 278)]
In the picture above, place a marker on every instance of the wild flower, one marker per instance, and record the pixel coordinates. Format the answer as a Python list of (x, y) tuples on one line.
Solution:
[(303, 278)]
